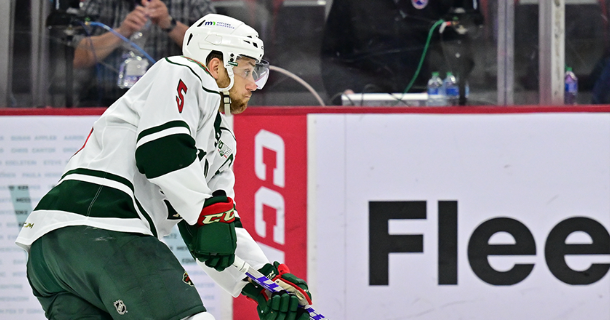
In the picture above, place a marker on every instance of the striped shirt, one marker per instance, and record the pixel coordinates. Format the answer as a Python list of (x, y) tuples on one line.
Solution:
[(158, 43)]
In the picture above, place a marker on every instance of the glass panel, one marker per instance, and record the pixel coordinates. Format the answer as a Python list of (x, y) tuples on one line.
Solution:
[(586, 41), (586, 47), (318, 49)]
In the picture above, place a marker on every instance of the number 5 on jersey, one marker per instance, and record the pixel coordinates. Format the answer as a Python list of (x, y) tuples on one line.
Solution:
[(180, 97)]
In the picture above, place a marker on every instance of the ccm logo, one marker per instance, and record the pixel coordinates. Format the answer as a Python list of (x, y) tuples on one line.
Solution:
[(556, 248), (226, 217), (265, 196)]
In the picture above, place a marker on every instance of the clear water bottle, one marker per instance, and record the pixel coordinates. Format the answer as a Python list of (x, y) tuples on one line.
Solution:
[(131, 70), (452, 90), (571, 87), (134, 63), (139, 37), (436, 91)]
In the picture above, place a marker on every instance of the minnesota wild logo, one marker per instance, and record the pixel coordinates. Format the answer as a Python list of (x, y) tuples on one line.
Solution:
[(223, 149), (187, 279)]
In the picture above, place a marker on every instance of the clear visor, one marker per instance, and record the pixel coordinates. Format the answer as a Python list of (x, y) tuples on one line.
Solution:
[(254, 71)]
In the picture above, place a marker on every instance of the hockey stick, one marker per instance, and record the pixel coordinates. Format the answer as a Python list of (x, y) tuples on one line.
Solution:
[(266, 283)]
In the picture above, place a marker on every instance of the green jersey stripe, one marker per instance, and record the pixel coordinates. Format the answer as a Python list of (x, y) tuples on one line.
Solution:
[(165, 126), (199, 64), (148, 218), (116, 178), (88, 199), (229, 131), (196, 75), (164, 155)]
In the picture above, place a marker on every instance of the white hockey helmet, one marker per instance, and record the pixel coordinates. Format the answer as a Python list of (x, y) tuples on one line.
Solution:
[(235, 39)]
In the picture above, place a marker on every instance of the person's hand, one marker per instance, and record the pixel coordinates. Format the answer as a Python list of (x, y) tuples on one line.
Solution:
[(281, 306), (213, 240), (134, 21), (157, 11), (275, 306)]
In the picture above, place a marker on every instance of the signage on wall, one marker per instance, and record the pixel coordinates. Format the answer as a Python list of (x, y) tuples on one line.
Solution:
[(463, 216), (556, 247), (271, 172)]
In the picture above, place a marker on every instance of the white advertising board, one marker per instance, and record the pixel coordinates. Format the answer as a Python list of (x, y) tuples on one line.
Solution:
[(33, 153), (472, 216)]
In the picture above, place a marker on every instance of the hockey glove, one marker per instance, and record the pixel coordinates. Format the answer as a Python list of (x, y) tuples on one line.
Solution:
[(280, 306), (213, 240)]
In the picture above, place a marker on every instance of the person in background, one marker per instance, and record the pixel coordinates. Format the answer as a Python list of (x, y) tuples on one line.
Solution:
[(376, 46), (170, 20), (160, 156)]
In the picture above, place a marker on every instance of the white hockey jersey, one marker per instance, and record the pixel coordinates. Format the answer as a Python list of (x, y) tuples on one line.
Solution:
[(150, 160)]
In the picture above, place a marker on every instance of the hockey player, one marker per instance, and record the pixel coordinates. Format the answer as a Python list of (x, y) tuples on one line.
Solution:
[(162, 154)]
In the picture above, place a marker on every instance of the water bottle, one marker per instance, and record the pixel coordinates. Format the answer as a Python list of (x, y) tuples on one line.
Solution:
[(436, 91), (134, 63), (452, 90), (571, 87), (139, 37)]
